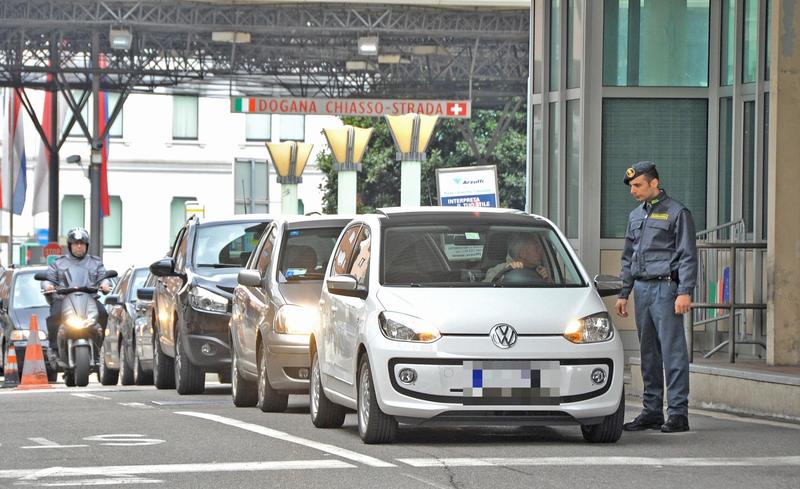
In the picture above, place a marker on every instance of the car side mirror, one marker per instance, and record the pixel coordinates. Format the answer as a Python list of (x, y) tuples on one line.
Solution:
[(607, 285), (346, 285), (164, 267), (2, 305), (145, 293), (112, 300), (249, 278)]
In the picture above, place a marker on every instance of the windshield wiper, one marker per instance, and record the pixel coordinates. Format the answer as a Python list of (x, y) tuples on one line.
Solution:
[(218, 265)]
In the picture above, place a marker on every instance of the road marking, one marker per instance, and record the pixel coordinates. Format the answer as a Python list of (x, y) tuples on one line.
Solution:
[(138, 405), (91, 396), (426, 481), (92, 482), (279, 435), (45, 443), (604, 461), (130, 470), (125, 440)]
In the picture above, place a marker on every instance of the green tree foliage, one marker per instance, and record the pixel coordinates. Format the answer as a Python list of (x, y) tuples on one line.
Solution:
[(379, 181)]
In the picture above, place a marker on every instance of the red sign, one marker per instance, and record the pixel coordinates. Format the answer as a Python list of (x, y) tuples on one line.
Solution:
[(52, 249), (459, 109)]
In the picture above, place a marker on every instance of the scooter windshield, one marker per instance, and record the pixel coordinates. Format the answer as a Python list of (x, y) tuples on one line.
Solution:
[(77, 277)]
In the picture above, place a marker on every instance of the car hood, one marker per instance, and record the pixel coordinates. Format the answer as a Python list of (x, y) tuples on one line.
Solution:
[(303, 294), (476, 310), (22, 317), (220, 280)]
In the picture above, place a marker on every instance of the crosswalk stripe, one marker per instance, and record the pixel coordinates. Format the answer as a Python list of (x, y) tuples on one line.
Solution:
[(604, 461)]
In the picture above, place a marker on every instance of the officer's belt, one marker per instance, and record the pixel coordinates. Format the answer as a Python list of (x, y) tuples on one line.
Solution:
[(671, 277)]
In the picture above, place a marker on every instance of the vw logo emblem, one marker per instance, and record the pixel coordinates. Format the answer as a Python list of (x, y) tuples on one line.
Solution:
[(503, 335)]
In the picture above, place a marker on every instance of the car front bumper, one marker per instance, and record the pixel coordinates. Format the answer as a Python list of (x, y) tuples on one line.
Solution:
[(206, 339), (288, 363)]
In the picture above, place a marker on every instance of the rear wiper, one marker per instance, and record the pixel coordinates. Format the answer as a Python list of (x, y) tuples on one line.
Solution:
[(218, 265)]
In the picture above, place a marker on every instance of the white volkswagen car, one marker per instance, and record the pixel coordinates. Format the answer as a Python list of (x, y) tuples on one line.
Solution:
[(463, 316)]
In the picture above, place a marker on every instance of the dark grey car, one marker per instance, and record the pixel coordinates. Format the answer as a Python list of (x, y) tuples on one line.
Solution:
[(274, 308), (143, 333)]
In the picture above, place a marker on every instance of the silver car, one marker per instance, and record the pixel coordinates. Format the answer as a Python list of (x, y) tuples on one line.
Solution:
[(275, 307)]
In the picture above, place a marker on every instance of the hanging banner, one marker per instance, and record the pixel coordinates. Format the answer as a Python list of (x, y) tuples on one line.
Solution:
[(453, 109), (469, 186)]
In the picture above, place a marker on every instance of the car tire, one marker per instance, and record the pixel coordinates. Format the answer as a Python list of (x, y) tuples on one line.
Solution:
[(52, 375), (269, 399), (106, 375), (140, 377), (610, 430), (163, 367), (324, 413), (244, 392), (189, 379), (225, 376), (125, 367), (374, 426)]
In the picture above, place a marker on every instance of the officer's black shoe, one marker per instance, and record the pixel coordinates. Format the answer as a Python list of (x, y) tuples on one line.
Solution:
[(676, 424), (644, 422)]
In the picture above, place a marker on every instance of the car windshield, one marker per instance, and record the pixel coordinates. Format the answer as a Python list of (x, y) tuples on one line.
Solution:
[(226, 245), (481, 255), (139, 277), (306, 252), (28, 292)]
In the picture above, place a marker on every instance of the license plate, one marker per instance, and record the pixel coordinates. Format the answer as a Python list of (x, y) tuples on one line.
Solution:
[(518, 381)]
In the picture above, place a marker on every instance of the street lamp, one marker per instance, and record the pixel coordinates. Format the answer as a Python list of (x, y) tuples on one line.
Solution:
[(289, 160), (348, 145), (411, 134)]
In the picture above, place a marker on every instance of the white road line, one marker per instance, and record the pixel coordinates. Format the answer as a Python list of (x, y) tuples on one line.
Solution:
[(279, 435), (426, 481), (92, 482), (130, 470), (91, 396), (45, 443), (604, 461), (138, 405)]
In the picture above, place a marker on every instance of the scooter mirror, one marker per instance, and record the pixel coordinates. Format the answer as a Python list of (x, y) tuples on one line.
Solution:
[(40, 276)]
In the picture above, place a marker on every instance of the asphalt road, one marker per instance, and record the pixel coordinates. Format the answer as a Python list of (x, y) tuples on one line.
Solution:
[(143, 437)]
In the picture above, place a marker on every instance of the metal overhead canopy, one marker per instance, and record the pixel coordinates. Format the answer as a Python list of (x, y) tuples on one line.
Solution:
[(458, 49)]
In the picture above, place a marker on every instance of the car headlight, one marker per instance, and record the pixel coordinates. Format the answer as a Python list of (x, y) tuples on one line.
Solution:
[(591, 329), (292, 319), (24, 334), (402, 327), (205, 300), (75, 322)]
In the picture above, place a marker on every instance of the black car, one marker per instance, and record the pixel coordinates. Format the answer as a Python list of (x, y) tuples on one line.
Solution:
[(20, 298), (116, 354), (192, 300), (143, 333)]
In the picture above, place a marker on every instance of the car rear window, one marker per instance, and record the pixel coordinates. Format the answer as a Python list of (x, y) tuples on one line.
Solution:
[(226, 245), (306, 252), (28, 292), (481, 255)]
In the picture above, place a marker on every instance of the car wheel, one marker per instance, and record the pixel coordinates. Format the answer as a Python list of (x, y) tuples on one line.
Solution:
[(125, 367), (374, 425), (189, 379), (610, 430), (269, 399), (324, 413), (69, 379), (140, 377), (244, 392), (225, 377), (163, 374), (106, 375)]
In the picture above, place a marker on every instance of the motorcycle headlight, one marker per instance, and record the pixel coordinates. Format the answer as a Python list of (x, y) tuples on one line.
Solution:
[(590, 329), (292, 319), (402, 327), (205, 300), (75, 322), (24, 334)]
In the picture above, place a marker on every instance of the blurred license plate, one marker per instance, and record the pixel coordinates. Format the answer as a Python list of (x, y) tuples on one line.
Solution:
[(518, 381)]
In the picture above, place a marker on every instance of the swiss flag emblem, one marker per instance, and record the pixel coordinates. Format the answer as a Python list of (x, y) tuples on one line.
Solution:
[(457, 109)]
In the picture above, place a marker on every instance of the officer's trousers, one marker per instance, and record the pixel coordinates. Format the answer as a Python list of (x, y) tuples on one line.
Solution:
[(663, 347)]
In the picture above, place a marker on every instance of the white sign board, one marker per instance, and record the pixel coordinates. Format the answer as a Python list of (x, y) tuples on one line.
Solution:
[(453, 109), (469, 186)]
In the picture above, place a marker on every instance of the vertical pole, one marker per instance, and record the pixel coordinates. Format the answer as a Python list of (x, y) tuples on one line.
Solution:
[(410, 183), (289, 199), (732, 318), (95, 220), (346, 196), (53, 190)]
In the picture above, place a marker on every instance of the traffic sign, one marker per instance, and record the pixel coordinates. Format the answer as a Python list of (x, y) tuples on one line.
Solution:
[(52, 249)]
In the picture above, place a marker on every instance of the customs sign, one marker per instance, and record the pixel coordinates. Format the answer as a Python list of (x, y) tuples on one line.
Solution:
[(469, 186), (454, 109)]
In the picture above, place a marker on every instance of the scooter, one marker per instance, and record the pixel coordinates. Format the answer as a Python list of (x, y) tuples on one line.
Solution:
[(79, 328)]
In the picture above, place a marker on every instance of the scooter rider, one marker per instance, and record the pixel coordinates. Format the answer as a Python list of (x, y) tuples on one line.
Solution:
[(77, 256)]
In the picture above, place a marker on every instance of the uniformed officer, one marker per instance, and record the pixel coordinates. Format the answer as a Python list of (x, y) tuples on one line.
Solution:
[(659, 262), (77, 247)]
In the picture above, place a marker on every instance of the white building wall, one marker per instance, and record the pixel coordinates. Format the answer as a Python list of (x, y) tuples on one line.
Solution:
[(147, 168)]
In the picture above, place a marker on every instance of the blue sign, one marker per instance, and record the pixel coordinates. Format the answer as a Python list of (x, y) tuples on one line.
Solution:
[(42, 236), (486, 200), (471, 186)]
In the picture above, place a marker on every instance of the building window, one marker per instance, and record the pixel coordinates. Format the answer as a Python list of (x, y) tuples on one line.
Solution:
[(750, 41), (553, 165), (293, 128), (555, 43), (765, 180), (537, 14), (536, 156), (258, 127), (663, 43), (727, 43), (574, 42), (725, 160), (251, 186), (749, 161), (767, 35), (73, 213), (112, 224), (184, 117), (573, 174), (88, 115), (672, 133), (177, 215)]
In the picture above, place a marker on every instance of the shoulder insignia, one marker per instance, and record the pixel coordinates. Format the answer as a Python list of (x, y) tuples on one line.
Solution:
[(661, 216)]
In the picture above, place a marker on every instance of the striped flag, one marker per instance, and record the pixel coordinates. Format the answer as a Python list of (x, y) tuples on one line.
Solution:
[(41, 176), (13, 178), (105, 205)]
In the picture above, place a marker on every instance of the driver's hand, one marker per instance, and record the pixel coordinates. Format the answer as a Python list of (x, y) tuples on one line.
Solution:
[(516, 265), (542, 271), (105, 288), (49, 288)]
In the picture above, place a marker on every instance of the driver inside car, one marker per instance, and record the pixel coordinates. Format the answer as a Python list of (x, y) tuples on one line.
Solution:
[(524, 251)]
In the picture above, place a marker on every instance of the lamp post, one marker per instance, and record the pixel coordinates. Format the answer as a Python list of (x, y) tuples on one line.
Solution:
[(411, 134), (348, 145), (289, 160)]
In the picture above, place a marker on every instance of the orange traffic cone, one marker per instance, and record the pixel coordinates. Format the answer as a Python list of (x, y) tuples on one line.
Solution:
[(34, 373), (10, 372)]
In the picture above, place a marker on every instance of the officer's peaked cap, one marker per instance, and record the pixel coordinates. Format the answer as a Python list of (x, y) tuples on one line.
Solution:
[(640, 168)]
